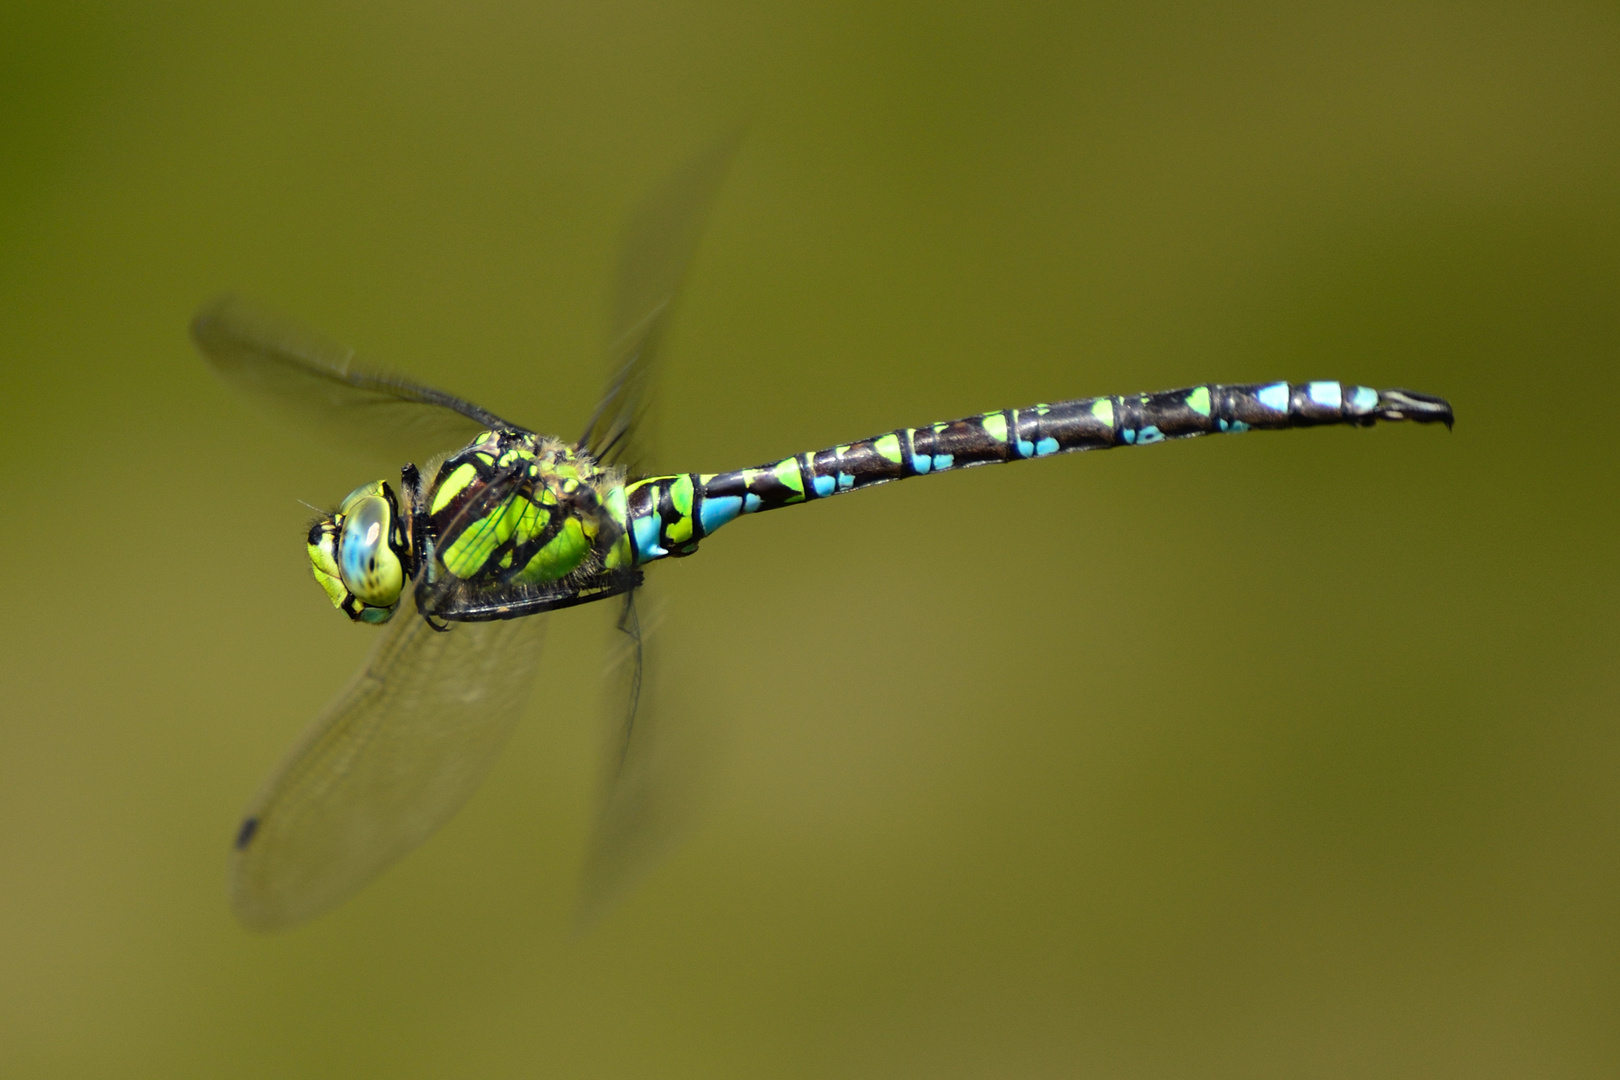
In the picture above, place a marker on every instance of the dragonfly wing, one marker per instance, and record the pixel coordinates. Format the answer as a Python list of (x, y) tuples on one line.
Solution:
[(652, 766), (392, 758), (641, 809), (658, 246), (323, 387)]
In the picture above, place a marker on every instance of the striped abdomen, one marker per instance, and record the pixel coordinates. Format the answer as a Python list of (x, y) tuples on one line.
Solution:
[(668, 515)]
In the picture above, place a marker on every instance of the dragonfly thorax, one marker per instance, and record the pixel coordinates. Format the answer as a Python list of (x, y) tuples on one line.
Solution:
[(513, 506)]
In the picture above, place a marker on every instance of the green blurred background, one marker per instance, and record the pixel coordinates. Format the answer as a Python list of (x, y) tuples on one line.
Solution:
[(1290, 755)]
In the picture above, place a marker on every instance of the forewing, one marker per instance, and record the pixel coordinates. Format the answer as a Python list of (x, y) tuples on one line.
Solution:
[(323, 387), (392, 758), (658, 246)]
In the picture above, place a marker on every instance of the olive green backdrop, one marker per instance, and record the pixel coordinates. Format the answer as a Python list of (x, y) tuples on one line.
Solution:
[(1289, 755)]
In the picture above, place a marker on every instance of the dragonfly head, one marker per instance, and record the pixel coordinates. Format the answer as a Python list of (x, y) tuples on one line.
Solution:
[(359, 554)]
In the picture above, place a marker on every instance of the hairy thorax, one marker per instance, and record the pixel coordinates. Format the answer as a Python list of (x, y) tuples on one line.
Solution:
[(517, 508)]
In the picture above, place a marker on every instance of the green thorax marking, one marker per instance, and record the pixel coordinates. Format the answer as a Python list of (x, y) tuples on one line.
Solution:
[(513, 506)]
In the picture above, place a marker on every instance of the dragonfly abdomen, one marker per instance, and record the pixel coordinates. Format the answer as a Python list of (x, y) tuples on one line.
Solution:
[(668, 515)]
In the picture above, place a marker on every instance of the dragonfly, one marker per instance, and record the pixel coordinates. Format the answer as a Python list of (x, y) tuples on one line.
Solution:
[(457, 563)]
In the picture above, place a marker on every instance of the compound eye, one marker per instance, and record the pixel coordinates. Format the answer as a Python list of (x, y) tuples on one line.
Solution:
[(369, 567), (375, 487)]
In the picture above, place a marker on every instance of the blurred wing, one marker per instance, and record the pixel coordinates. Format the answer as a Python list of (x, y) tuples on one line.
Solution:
[(322, 387), (388, 762), (643, 800), (657, 248), (652, 768)]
